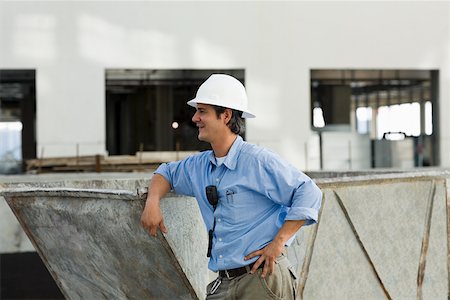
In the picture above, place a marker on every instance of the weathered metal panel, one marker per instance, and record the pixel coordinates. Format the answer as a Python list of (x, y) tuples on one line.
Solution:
[(399, 226), (339, 268), (390, 219), (94, 246)]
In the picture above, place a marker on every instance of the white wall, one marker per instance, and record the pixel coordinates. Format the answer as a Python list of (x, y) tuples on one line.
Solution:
[(70, 44)]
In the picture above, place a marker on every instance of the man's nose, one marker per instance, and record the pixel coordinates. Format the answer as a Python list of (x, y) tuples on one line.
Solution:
[(195, 117)]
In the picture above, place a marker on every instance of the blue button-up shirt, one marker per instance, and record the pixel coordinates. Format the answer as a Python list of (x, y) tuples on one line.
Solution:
[(258, 191)]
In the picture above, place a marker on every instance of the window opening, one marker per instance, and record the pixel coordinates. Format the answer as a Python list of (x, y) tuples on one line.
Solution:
[(17, 119), (377, 105), (146, 109)]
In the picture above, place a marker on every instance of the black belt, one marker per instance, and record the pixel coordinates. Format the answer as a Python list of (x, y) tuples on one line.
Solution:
[(231, 273)]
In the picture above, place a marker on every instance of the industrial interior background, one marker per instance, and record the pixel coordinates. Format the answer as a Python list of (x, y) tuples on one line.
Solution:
[(335, 86)]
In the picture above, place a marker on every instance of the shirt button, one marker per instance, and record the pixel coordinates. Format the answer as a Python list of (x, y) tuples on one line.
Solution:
[(220, 256), (217, 179), (220, 239), (219, 219)]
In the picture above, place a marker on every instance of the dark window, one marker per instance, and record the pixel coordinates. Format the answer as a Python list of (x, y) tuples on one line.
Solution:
[(146, 109)]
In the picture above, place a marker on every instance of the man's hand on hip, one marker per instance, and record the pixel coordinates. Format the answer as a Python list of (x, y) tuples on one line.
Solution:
[(270, 253), (268, 256)]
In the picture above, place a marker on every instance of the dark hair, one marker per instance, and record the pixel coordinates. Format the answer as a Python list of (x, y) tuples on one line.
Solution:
[(236, 123)]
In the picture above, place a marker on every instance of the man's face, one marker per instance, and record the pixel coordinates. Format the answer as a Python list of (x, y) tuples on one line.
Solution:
[(210, 128)]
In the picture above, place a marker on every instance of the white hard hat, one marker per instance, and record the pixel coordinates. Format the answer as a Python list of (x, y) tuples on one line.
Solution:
[(223, 90)]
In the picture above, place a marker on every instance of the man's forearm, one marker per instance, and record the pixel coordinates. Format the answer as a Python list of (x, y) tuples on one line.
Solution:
[(157, 188), (289, 228)]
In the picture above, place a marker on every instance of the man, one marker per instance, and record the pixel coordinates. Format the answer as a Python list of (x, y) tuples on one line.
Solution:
[(251, 200)]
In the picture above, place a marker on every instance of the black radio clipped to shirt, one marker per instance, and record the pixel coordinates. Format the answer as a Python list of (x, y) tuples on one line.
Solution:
[(213, 199)]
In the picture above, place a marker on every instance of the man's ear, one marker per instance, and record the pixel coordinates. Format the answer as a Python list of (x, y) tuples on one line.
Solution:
[(228, 113)]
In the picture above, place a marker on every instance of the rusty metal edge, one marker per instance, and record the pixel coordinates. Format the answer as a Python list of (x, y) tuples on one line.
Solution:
[(170, 252), (425, 240), (177, 265), (361, 244)]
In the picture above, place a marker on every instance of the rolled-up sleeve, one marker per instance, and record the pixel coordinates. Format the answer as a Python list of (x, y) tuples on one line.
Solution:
[(286, 185), (306, 203)]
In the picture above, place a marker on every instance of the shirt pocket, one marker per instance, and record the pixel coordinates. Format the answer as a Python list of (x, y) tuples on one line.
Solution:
[(243, 207)]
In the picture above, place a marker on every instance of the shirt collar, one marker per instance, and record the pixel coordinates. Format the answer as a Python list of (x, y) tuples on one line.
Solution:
[(233, 153)]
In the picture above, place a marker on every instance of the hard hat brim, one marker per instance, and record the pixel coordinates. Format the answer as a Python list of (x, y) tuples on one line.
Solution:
[(245, 113)]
